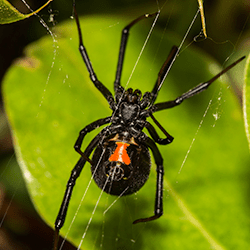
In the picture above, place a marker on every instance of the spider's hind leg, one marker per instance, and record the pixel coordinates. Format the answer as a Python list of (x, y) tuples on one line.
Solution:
[(158, 211), (75, 173)]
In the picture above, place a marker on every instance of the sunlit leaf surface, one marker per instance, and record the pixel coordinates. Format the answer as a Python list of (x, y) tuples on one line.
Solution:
[(246, 100), (49, 98), (9, 14)]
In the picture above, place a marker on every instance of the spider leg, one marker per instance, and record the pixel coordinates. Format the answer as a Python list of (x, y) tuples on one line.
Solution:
[(159, 182), (155, 136), (70, 185), (123, 44), (163, 72), (86, 130), (194, 91), (105, 92)]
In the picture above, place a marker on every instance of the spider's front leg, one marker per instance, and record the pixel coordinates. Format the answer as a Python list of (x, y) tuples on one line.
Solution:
[(123, 45), (194, 91), (158, 211), (105, 92)]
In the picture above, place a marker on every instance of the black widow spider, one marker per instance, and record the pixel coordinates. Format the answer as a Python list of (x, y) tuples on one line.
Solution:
[(121, 161)]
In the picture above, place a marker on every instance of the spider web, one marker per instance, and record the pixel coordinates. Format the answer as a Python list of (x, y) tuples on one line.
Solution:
[(216, 102)]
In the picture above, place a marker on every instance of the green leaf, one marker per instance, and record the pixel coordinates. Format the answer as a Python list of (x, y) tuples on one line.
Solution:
[(9, 14), (246, 99), (49, 98)]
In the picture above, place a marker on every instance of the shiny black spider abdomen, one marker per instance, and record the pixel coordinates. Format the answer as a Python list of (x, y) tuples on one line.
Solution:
[(120, 167)]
